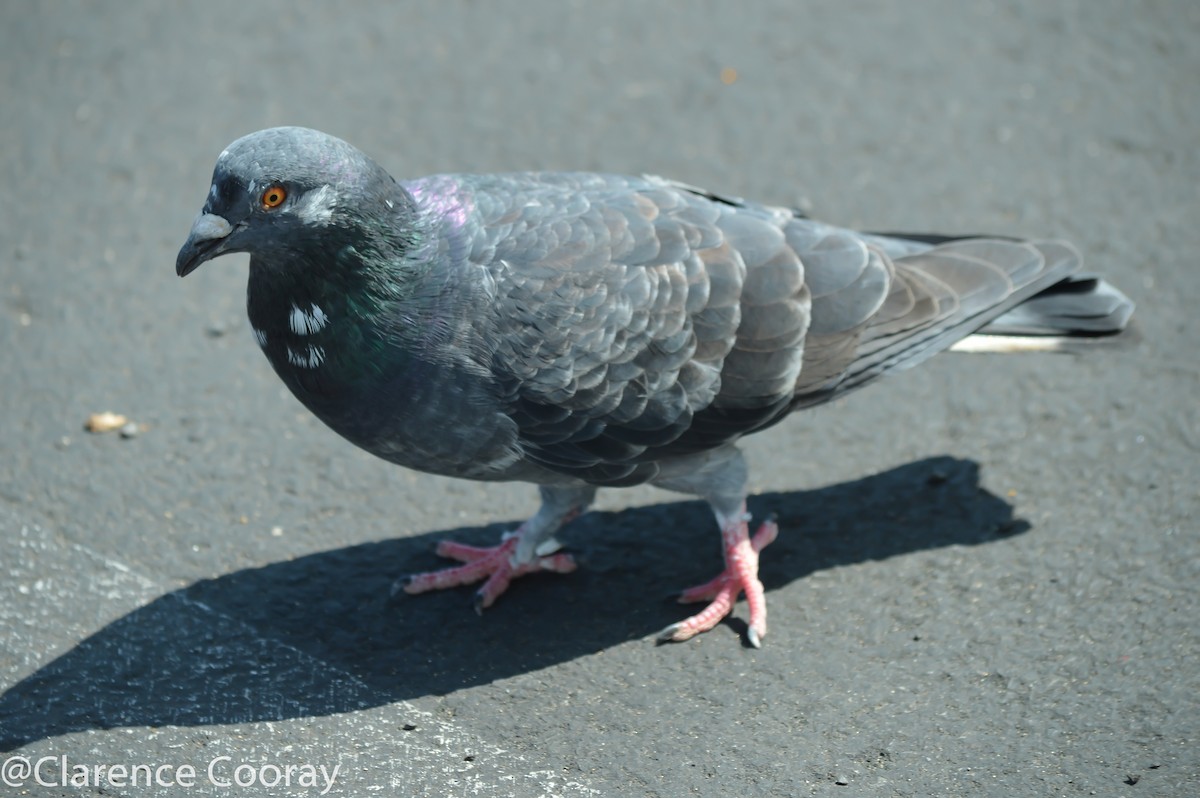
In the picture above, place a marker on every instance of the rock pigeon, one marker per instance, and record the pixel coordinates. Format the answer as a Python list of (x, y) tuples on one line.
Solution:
[(579, 330)]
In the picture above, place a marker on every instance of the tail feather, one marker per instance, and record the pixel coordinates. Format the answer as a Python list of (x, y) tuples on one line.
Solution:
[(972, 294), (974, 291), (1080, 306)]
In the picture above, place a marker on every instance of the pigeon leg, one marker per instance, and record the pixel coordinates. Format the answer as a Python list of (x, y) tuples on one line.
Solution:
[(740, 575), (529, 549), (719, 476)]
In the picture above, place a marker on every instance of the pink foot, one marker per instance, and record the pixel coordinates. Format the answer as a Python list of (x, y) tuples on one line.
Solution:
[(496, 564), (740, 574)]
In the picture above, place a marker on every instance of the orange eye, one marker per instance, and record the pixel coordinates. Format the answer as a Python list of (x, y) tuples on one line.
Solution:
[(273, 197)]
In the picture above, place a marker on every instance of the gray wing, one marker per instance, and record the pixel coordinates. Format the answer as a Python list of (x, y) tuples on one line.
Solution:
[(635, 320)]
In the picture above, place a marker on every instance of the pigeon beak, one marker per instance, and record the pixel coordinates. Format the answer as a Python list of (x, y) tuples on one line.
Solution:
[(208, 239)]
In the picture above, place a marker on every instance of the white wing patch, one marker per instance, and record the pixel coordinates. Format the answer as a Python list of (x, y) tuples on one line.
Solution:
[(309, 358), (307, 322), (316, 206), (261, 337)]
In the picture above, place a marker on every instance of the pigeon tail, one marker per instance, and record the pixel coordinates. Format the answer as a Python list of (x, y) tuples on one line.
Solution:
[(1078, 312), (997, 293)]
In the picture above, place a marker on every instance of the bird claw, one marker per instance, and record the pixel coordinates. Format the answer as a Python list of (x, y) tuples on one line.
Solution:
[(495, 564), (679, 632), (667, 635), (740, 574), (399, 585)]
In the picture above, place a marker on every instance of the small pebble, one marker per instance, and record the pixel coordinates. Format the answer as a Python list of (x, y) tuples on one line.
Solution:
[(105, 422), (130, 430)]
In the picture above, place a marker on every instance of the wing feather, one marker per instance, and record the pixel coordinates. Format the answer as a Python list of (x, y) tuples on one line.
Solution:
[(634, 320)]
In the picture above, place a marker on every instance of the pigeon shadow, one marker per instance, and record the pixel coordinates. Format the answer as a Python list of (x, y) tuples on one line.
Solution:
[(318, 635)]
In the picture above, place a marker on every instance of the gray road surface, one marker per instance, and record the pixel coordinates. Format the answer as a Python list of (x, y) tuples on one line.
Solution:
[(986, 581)]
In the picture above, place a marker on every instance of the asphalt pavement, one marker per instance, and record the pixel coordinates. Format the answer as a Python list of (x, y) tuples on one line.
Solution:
[(987, 576)]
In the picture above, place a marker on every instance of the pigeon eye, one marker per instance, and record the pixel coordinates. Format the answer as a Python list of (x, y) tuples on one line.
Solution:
[(273, 197)]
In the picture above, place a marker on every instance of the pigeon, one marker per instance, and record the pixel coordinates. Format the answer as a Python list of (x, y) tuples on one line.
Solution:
[(583, 330)]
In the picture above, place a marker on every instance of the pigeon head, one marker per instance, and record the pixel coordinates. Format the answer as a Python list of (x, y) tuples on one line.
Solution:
[(282, 189)]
